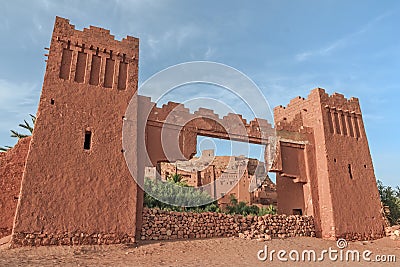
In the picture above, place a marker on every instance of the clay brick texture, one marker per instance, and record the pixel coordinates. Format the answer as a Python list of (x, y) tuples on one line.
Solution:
[(12, 164)]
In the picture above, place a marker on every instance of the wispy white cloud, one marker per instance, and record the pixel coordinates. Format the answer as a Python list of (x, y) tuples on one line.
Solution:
[(211, 51), (342, 42), (279, 89), (37, 23), (17, 100), (17, 97), (178, 38)]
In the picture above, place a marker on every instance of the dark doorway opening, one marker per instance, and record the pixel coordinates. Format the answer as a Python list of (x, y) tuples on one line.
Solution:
[(297, 212)]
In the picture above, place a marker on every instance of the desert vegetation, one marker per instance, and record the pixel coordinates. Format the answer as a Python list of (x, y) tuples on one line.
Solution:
[(176, 190), (16, 134), (242, 208), (391, 198)]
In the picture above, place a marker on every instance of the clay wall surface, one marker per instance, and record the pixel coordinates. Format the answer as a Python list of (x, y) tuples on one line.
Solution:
[(12, 164), (169, 225), (76, 180), (351, 173), (206, 122), (308, 112), (238, 187), (293, 161), (290, 195), (338, 147)]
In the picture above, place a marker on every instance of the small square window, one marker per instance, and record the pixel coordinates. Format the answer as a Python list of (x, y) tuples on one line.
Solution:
[(88, 140)]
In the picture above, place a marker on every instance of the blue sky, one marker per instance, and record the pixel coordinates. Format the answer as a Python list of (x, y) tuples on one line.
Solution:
[(286, 47)]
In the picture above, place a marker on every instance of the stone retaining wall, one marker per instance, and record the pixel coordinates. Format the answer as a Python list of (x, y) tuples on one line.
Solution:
[(5, 232), (359, 236), (43, 239), (163, 225), (393, 232)]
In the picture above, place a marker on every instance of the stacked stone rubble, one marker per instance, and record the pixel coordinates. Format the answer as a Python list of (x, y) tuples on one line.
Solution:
[(360, 236), (393, 232), (278, 226), (165, 225), (43, 239)]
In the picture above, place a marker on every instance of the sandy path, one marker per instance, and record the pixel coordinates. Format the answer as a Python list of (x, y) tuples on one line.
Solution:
[(207, 252)]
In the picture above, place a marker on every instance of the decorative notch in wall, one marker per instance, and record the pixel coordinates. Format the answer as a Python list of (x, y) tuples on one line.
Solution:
[(106, 68), (95, 70), (109, 72), (123, 73), (66, 58), (81, 66), (343, 122)]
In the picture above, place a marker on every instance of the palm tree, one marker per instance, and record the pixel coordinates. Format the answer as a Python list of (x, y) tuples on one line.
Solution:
[(177, 178), (4, 149), (26, 126), (19, 135)]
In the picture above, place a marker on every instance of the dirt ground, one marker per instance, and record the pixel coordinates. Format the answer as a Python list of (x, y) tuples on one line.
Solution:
[(206, 252)]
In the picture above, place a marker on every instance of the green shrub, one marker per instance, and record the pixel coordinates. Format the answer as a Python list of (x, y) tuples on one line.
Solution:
[(242, 208), (174, 190), (190, 198), (390, 197), (267, 210), (213, 207)]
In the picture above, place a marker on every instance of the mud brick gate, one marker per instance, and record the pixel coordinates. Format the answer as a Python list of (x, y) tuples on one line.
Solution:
[(76, 187)]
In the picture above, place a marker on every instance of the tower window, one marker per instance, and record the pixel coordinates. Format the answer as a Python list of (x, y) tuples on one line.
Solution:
[(350, 173), (88, 140)]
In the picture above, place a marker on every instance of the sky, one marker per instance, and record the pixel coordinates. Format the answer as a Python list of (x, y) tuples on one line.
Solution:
[(286, 47)]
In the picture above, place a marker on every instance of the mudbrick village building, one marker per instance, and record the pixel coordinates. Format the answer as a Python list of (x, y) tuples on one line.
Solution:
[(238, 176), (70, 184)]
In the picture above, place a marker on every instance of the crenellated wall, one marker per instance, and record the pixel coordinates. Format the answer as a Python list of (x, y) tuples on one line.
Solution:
[(94, 57), (206, 122), (172, 130)]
